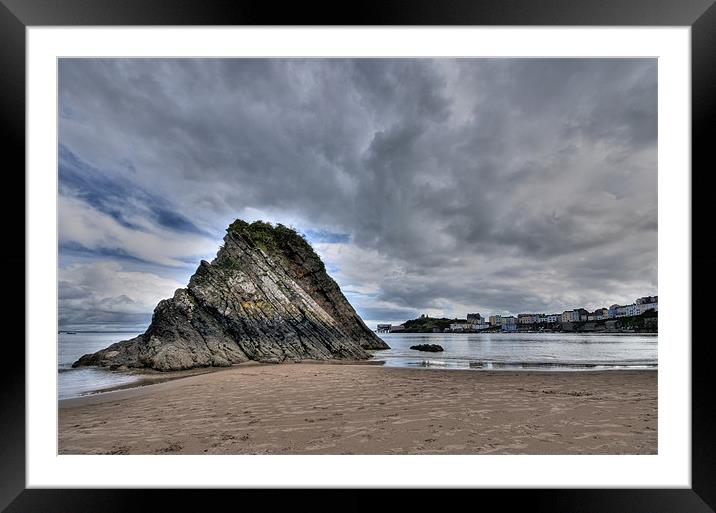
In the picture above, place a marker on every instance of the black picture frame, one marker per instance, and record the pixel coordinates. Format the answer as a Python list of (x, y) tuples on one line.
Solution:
[(17, 15)]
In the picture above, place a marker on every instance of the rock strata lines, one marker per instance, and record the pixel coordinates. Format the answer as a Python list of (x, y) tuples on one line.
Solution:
[(265, 297)]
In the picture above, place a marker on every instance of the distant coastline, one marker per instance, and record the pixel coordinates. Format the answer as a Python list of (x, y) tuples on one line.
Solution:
[(640, 317), (644, 324)]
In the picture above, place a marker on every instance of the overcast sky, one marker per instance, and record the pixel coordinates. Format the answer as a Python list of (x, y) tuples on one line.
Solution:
[(442, 187)]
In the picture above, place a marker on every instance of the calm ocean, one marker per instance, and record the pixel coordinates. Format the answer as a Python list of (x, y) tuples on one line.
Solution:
[(522, 351), (508, 351), (74, 382)]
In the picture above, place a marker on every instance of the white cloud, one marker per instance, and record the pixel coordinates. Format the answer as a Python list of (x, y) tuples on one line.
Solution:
[(81, 224), (102, 291)]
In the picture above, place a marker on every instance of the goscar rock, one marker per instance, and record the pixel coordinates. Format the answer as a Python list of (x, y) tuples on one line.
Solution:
[(265, 297)]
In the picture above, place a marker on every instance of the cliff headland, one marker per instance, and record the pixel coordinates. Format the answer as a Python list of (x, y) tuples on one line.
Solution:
[(265, 297)]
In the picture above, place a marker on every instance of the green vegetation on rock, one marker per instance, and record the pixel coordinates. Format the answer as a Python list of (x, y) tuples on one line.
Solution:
[(645, 322), (268, 237), (428, 324), (229, 262)]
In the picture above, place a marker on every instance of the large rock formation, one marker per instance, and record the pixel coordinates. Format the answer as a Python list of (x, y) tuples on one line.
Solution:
[(265, 297)]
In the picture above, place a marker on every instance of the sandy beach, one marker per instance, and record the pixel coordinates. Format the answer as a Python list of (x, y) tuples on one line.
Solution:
[(312, 408)]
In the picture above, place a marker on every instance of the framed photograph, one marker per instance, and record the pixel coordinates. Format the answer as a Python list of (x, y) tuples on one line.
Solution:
[(404, 249)]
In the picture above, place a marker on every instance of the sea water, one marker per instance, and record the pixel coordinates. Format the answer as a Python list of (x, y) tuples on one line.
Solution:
[(522, 351), (496, 351), (75, 382)]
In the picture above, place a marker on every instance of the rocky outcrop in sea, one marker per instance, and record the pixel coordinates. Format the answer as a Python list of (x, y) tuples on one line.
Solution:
[(265, 297), (430, 348)]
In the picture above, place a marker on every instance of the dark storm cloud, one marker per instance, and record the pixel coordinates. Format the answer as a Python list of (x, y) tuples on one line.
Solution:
[(427, 185)]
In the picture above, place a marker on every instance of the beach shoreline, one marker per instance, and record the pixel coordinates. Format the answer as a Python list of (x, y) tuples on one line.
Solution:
[(314, 408), (149, 377)]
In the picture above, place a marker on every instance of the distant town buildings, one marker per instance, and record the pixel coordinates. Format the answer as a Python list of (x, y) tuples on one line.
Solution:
[(499, 320), (474, 322), (573, 315), (598, 315), (617, 311), (641, 305), (537, 318), (647, 303), (583, 314), (525, 319), (389, 328)]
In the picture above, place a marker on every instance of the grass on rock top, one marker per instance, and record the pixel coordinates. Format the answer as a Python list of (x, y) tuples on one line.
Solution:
[(270, 238)]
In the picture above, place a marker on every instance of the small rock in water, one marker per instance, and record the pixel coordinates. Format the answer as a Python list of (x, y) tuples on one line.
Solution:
[(431, 348)]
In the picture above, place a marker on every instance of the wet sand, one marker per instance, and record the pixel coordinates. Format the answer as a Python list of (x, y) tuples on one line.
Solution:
[(313, 408)]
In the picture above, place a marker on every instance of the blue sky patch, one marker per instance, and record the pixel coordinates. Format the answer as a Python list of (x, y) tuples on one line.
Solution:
[(325, 236)]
